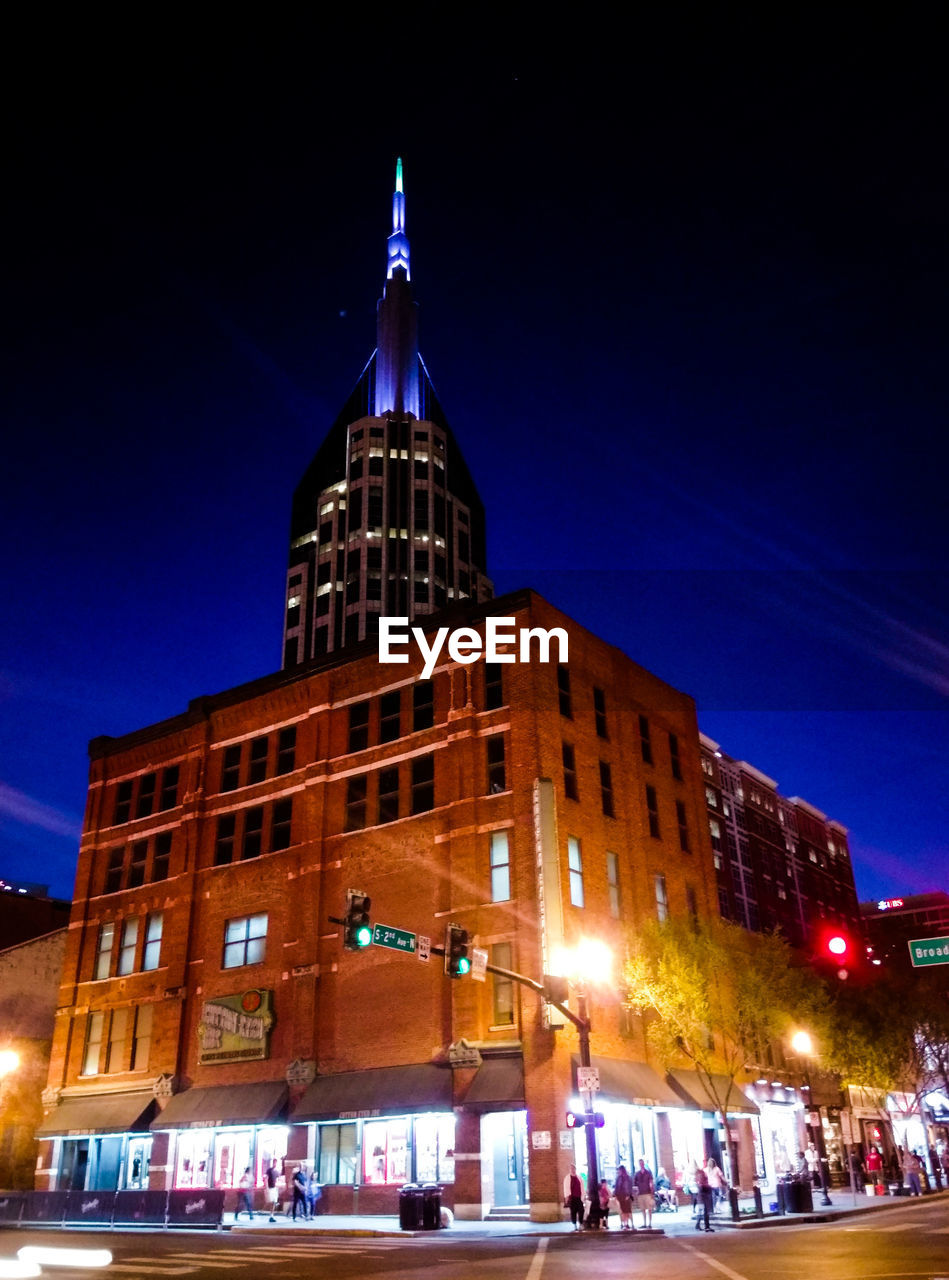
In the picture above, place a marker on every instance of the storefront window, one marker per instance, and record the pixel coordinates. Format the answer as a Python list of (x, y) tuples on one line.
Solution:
[(385, 1151), (271, 1145), (688, 1143), (194, 1158), (136, 1169), (232, 1155), (337, 1154), (435, 1148)]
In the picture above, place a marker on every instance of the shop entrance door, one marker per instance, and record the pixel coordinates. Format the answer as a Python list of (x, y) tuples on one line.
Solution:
[(504, 1139), (73, 1164)]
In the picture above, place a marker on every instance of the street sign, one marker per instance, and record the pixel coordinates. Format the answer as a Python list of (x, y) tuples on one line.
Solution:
[(923, 951), (588, 1079), (383, 935), (479, 964), (423, 948)]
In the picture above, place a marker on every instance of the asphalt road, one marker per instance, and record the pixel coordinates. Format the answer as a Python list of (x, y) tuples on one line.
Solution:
[(910, 1243)]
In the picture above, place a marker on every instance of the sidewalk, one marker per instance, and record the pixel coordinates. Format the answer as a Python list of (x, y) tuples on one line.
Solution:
[(676, 1224)]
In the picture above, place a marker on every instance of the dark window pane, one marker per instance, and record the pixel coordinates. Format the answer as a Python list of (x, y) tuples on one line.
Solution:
[(253, 832), (563, 691), (388, 795), (569, 772), (162, 856), (359, 726), (123, 803), (423, 705), (224, 840), (390, 708), (113, 872), (231, 768), (258, 760), (281, 822), (169, 787), (356, 803), (137, 860), (496, 775), (423, 784), (644, 740), (146, 795), (286, 749)]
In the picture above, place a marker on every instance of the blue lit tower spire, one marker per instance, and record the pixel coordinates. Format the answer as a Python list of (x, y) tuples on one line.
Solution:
[(397, 388)]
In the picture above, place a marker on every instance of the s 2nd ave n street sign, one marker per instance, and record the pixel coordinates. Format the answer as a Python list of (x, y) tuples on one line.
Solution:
[(383, 935)]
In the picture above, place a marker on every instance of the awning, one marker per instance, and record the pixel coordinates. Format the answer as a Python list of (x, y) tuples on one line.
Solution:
[(101, 1113), (695, 1093), (623, 1080), (498, 1085), (225, 1104), (379, 1091)]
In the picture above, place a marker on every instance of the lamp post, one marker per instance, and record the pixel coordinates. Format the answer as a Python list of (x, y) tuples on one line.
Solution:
[(589, 961), (802, 1045)]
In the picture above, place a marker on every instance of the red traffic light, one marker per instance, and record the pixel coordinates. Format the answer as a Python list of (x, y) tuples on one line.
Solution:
[(838, 946)]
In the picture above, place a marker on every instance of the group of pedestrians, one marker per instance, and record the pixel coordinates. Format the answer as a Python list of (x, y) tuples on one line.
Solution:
[(629, 1190), (305, 1186)]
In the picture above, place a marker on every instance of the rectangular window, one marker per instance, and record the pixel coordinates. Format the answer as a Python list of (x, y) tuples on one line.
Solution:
[(146, 795), (502, 995), (390, 716), (691, 902), (496, 778), (123, 803), (423, 784), (711, 798), (569, 772), (252, 842), (683, 827), (388, 795), (358, 727), (104, 951), (599, 713), (287, 749), (151, 956), (245, 940), (563, 691), (356, 803), (231, 768), (162, 856), (575, 863), (337, 1154), (645, 742), (258, 760), (493, 685), (500, 867), (606, 789), (128, 946), (662, 898), (612, 884), (142, 1037), (423, 705), (137, 859), (118, 1031), (715, 831), (674, 756), (224, 840), (169, 787), (281, 820), (93, 1046), (113, 871), (652, 807)]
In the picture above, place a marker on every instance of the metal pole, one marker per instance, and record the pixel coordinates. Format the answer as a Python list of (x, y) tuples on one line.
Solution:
[(821, 1149), (593, 1172)]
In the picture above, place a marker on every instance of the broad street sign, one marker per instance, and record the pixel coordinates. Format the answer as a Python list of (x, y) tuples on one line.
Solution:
[(588, 1079), (924, 951), (383, 935)]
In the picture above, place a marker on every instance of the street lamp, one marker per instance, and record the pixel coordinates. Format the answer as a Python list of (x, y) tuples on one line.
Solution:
[(588, 962), (803, 1045), (9, 1061)]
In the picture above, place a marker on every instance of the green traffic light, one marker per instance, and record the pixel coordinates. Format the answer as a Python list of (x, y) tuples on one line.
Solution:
[(363, 936), (463, 965)]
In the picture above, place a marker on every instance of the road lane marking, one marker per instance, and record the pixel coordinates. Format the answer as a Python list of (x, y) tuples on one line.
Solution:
[(537, 1262), (712, 1262)]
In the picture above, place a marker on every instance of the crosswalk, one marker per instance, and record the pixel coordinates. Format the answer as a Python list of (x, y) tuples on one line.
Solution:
[(184, 1261)]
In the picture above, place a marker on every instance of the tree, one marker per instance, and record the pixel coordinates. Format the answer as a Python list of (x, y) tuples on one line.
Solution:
[(718, 995)]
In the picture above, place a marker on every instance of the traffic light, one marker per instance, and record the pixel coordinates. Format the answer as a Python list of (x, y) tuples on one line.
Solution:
[(574, 1119), (457, 959), (837, 950), (577, 1119), (357, 927)]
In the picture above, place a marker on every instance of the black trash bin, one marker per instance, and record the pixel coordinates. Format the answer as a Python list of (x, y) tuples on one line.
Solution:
[(410, 1207), (781, 1189), (431, 1207), (798, 1197)]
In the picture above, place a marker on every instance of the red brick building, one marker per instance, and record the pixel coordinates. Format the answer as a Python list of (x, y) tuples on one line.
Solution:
[(209, 1017)]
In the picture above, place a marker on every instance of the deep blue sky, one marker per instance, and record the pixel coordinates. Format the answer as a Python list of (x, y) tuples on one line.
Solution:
[(683, 296)]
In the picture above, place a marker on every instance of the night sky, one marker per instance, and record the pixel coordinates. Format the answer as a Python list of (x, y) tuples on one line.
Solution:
[(682, 295)]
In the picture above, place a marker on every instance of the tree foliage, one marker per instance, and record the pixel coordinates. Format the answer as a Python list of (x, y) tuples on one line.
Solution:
[(718, 996)]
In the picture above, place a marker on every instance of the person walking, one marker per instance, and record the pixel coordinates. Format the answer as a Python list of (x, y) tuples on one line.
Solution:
[(314, 1193), (573, 1197), (271, 1191), (716, 1181), (299, 1192), (645, 1193), (604, 1199), (705, 1199), (245, 1187), (624, 1191), (875, 1167)]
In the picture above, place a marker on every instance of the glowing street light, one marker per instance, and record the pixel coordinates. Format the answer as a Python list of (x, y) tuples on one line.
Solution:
[(9, 1061), (803, 1045)]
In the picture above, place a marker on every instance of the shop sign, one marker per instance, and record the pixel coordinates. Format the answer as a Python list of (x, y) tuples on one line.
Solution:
[(236, 1028)]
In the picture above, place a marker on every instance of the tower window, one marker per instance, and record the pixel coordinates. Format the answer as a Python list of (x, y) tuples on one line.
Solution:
[(146, 795), (359, 726), (500, 867), (683, 827), (652, 808), (258, 760), (662, 898), (423, 705), (493, 685), (575, 866), (169, 788), (388, 795), (123, 803), (496, 777), (280, 824), (253, 832), (599, 713), (563, 691), (569, 772), (224, 841), (356, 803), (286, 749), (674, 756), (606, 789), (231, 768), (390, 715), (645, 743), (423, 784)]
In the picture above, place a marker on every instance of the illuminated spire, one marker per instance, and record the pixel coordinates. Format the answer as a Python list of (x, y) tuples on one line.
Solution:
[(398, 241)]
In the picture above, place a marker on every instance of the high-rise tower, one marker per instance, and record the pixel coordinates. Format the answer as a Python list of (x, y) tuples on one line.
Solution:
[(387, 519)]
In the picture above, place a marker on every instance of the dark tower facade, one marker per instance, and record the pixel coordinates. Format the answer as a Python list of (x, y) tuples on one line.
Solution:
[(387, 519)]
